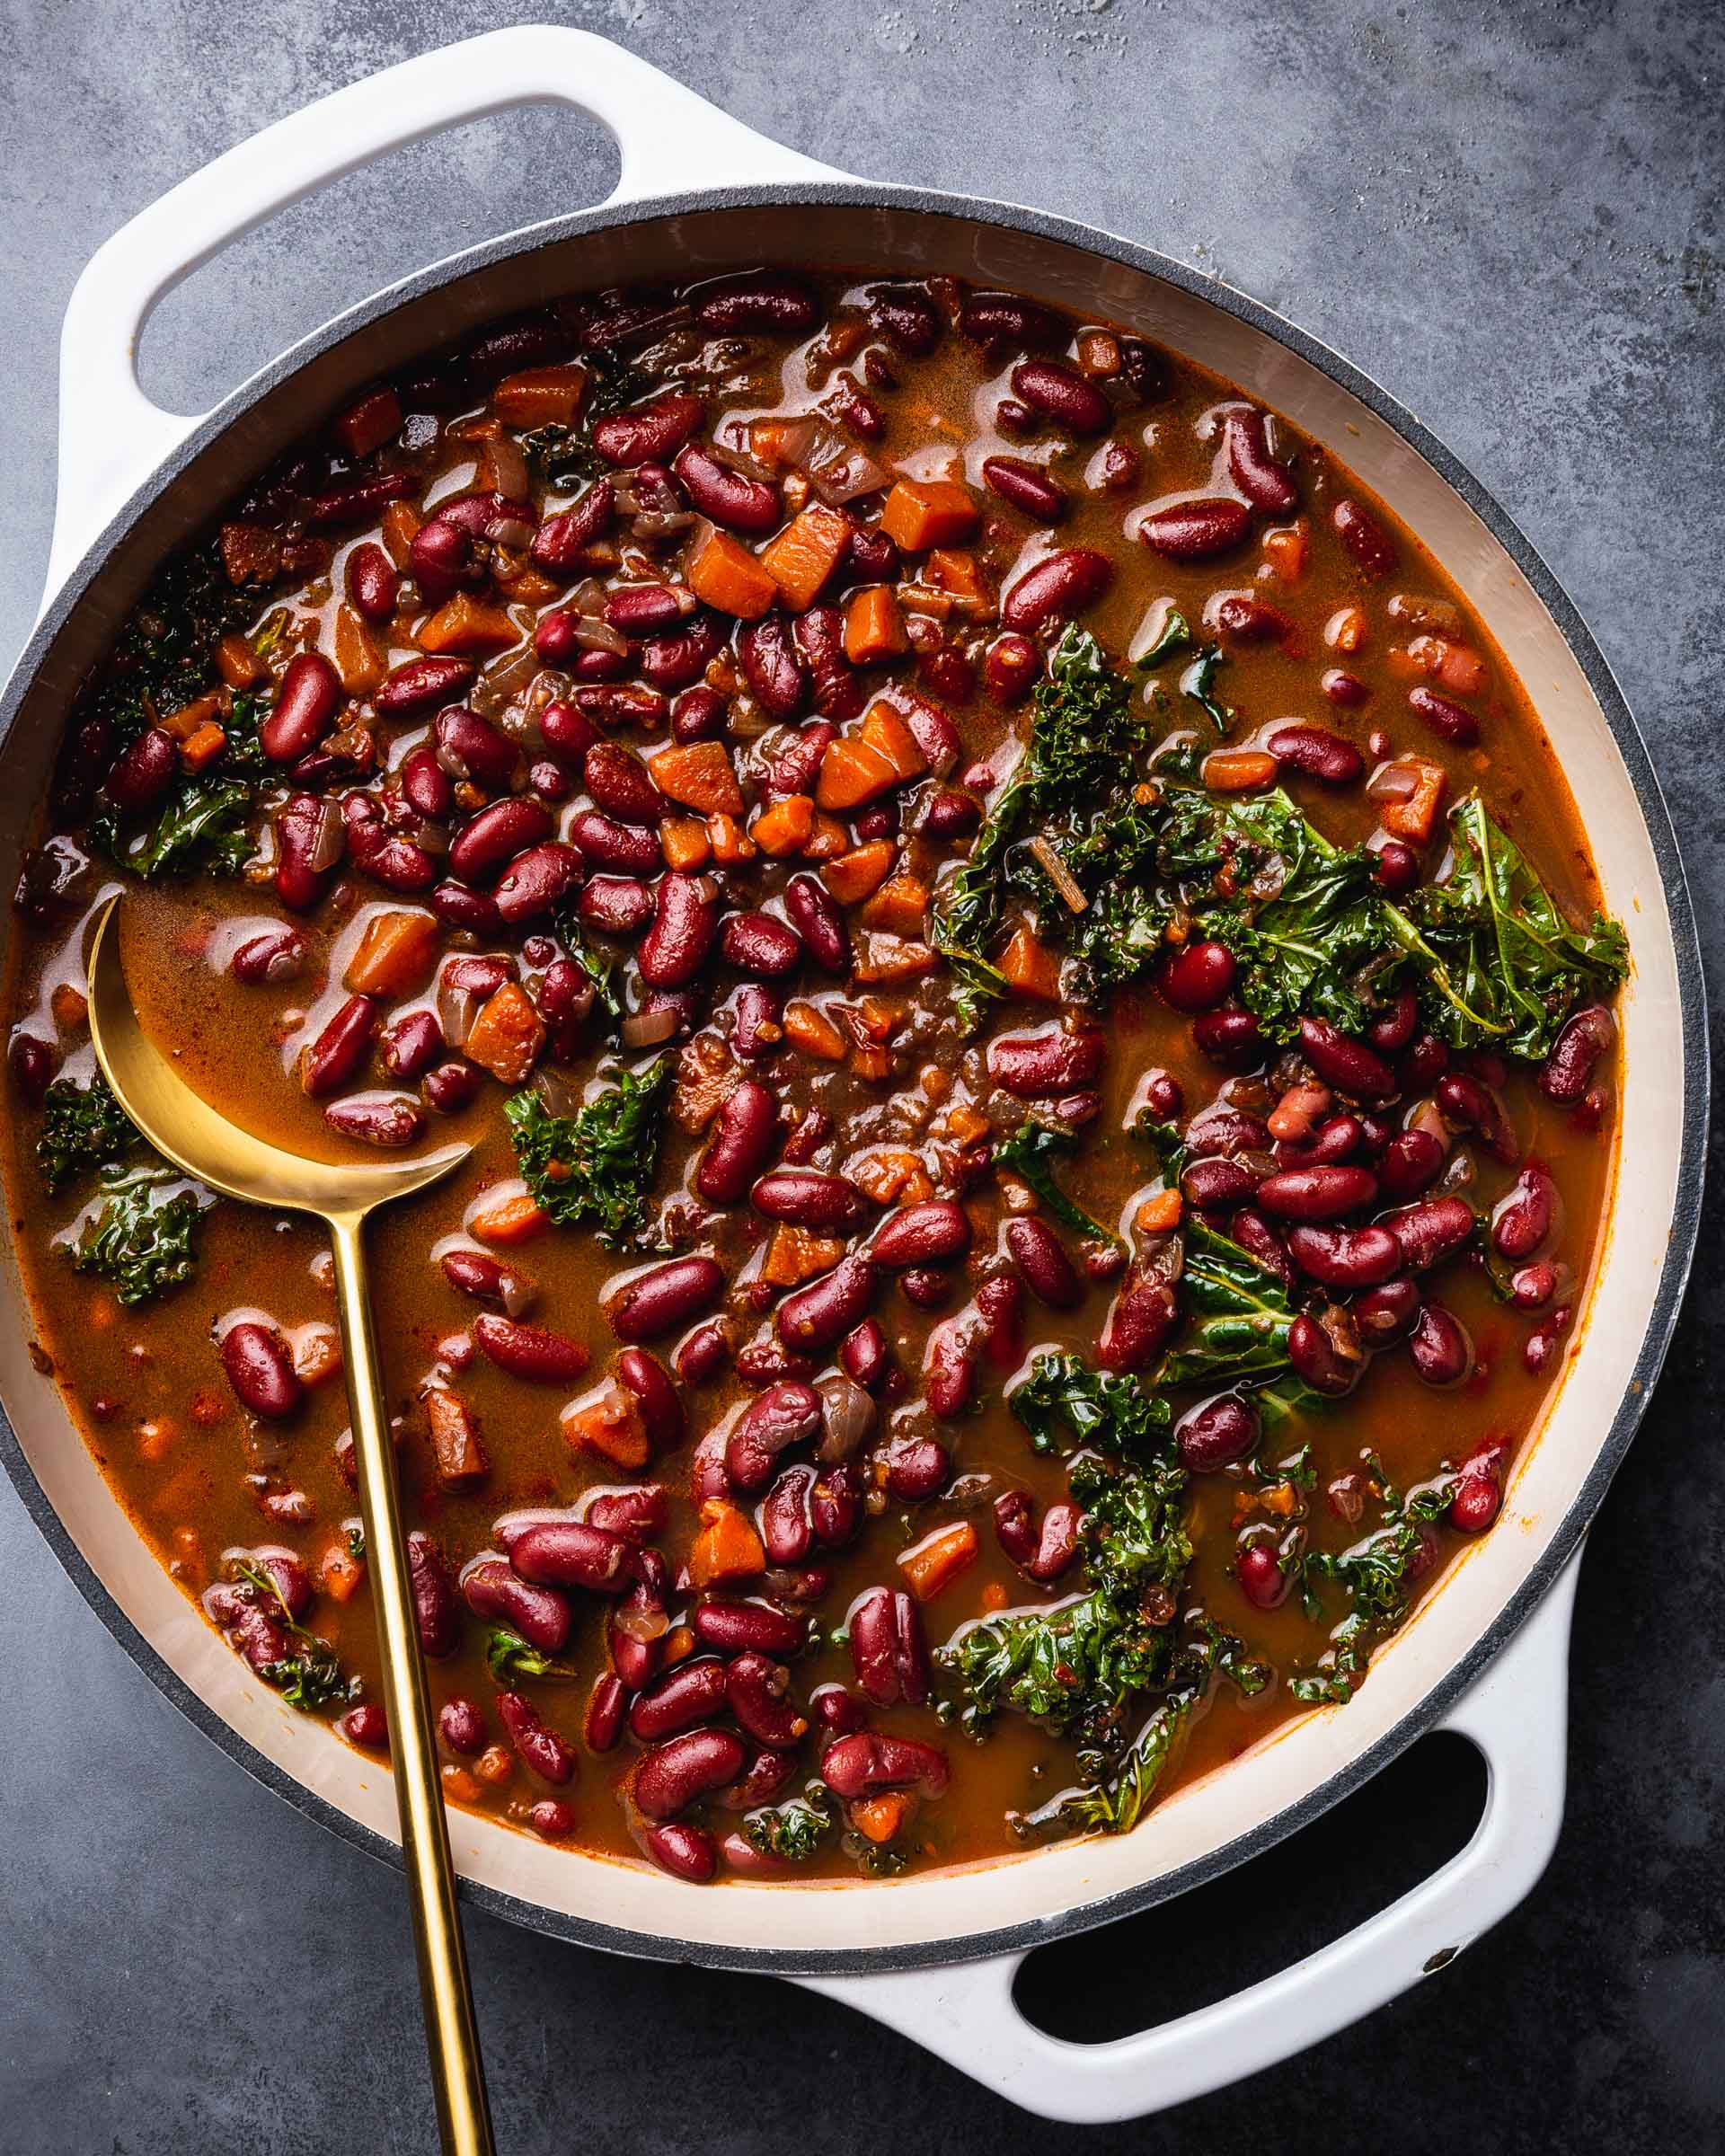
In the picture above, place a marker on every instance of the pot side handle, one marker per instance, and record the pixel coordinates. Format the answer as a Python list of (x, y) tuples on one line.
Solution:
[(1516, 1715), (111, 435)]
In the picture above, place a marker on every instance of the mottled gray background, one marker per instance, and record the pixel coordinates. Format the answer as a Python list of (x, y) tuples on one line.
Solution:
[(1511, 215)]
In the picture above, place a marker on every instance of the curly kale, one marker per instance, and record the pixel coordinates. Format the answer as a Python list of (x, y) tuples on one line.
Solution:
[(84, 1126), (140, 1236), (795, 1831), (1373, 1575), (164, 656), (311, 1677), (1067, 1406), (598, 1164)]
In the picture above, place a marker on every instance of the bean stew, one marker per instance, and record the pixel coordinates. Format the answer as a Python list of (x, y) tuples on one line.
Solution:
[(1035, 1020)]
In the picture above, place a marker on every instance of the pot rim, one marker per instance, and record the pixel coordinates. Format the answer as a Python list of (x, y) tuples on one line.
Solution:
[(1541, 1574)]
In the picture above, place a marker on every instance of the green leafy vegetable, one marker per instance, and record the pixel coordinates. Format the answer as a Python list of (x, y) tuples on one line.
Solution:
[(598, 1164), (1174, 635), (1030, 1152), (1241, 1316), (1199, 683), (509, 1656), (84, 1126), (139, 1239), (205, 825), (598, 966), (794, 1830), (1373, 1574), (1068, 1407), (311, 1677), (164, 656)]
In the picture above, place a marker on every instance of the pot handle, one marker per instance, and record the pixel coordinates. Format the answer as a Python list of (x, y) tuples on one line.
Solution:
[(111, 435), (1517, 1717)]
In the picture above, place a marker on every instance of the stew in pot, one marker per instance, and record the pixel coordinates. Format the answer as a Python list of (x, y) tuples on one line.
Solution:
[(1032, 1007)]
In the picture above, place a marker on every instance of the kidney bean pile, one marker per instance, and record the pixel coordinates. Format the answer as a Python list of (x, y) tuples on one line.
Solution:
[(946, 1339)]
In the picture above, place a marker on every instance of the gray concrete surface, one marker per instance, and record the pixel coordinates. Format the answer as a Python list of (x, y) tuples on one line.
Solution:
[(1511, 215)]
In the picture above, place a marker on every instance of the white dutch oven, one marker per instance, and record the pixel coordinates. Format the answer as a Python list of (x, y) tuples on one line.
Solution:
[(933, 1957)]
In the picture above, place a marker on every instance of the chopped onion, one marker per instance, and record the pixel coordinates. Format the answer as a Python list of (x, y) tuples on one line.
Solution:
[(331, 842), (516, 1290), (514, 531), (595, 635), (846, 1418), (457, 1008), (740, 460), (647, 1029), (1059, 875), (558, 1095), (1392, 782), (661, 524), (509, 470), (643, 1624), (847, 476)]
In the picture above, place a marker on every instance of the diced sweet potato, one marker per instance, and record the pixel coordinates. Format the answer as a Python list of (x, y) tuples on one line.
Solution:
[(1159, 1213), (828, 838), (1415, 817), (541, 396), (897, 907), (725, 576), (782, 827), (507, 1035), (955, 572), (890, 736), (203, 746), (879, 1819), (937, 1560), (725, 1547), (874, 628), (854, 875), (358, 658), (685, 841), (400, 521), (204, 710), (457, 1449), (921, 513), (852, 772), (465, 627), (893, 1175), (885, 961), (1238, 770), (395, 956), (608, 1421), (700, 776), (250, 554), (238, 663), (1030, 968), (364, 425), (339, 1573), (806, 553), (729, 842), (814, 1033), (506, 1217), (794, 1255)]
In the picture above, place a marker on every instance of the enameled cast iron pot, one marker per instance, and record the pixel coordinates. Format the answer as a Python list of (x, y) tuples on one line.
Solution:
[(1486, 1655)]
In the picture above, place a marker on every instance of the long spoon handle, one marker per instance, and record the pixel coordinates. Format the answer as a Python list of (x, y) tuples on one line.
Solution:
[(452, 2036)]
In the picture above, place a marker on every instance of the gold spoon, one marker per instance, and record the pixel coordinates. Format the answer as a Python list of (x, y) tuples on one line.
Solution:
[(190, 1133)]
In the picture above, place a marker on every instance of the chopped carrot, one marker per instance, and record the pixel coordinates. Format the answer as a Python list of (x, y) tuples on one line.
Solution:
[(921, 513), (204, 710), (70, 1007), (1238, 770), (395, 956), (526, 587), (204, 746), (700, 776), (874, 628), (1031, 970), (608, 1421), (341, 1573), (467, 627), (851, 774), (686, 842), (724, 575), (507, 1035), (891, 961), (806, 553), (541, 396), (1415, 817), (507, 1217), (358, 658), (965, 1123), (879, 1819), (828, 838), (680, 1643), (1159, 1213), (893, 1175), (367, 425), (783, 825), (725, 1547), (794, 1255), (814, 1033), (400, 521), (937, 1560), (729, 842), (238, 663), (770, 439), (890, 736), (995, 1597), (897, 907), (854, 875), (1284, 549), (949, 569), (457, 1450)]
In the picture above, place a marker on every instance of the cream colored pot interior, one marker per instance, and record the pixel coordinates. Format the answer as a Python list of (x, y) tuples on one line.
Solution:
[(1204, 1817)]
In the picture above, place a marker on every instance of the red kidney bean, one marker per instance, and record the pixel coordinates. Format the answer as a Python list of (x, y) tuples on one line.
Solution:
[(757, 1012), (819, 921), (1384, 1313), (782, 1415), (605, 1712), (685, 925), (925, 1287), (692, 1693), (1043, 1064), (638, 1514), (277, 955), (819, 637), (1026, 486), (1478, 1500), (628, 851), (907, 317), (950, 1369), (1348, 1065), (699, 715), (1525, 1216), (806, 1198), (1396, 867), (1062, 394), (1255, 1235), (1317, 1192), (772, 668), (1442, 1353), (1449, 720), (671, 1778), (864, 1354), (457, 906), (1423, 1061), (1568, 1070), (494, 1594), (381, 1119), (450, 1087), (867, 1761), (380, 853), (1233, 1039), (1009, 669), (755, 1690), (887, 1647), (572, 1553), (552, 1820), (734, 1628), (675, 658), (702, 1355), (1262, 1581), (728, 498), (540, 1746), (480, 976), (340, 1049), (917, 1470), (1469, 1104), (1139, 1321), (1216, 1181), (1248, 620), (427, 787), (787, 1531), (1058, 588), (1317, 1358), (927, 1233), (560, 546), (262, 1371), (1365, 538), (815, 1316), (761, 944), (462, 1727), (566, 728), (1056, 1547), (1003, 321), (1223, 1128), (637, 608), (1427, 1232), (686, 1853), (1199, 978), (622, 785), (1391, 1033), (664, 1297), (1216, 1434), (943, 812), (435, 1609), (483, 844), (768, 302), (440, 556), (422, 684), (743, 1134), (636, 1659), (371, 582), (32, 1063), (836, 1710), (1038, 1254), (366, 1725), (1345, 1258), (661, 1407), (649, 433), (1316, 753), (1338, 1138), (304, 709), (615, 906), (529, 1351), (485, 1278), (1000, 1302), (1264, 482), (142, 773), (1197, 531)]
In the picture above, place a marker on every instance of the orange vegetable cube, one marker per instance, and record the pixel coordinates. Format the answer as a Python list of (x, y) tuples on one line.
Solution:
[(854, 875), (700, 776), (724, 575), (956, 572), (1415, 817), (893, 1175), (1238, 770), (794, 1255), (507, 1035), (608, 1421), (891, 961), (921, 513), (888, 735), (1159, 1213), (358, 659), (541, 396), (783, 825), (686, 842), (879, 1819), (937, 1560), (1284, 549), (898, 906), (395, 956), (207, 744), (814, 1033), (806, 553), (250, 554), (238, 663), (340, 1573), (852, 772), (730, 842), (368, 424), (400, 521), (725, 1547), (828, 838), (457, 1448), (874, 628), (1030, 968), (508, 1217), (467, 628)]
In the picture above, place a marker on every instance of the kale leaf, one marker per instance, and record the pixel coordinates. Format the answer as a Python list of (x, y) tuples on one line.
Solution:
[(164, 656), (1373, 1573), (1243, 1316), (794, 1831), (84, 1126), (1030, 1152), (1068, 1407), (205, 825), (1199, 681), (510, 1656), (140, 1238), (311, 1677), (598, 1164)]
